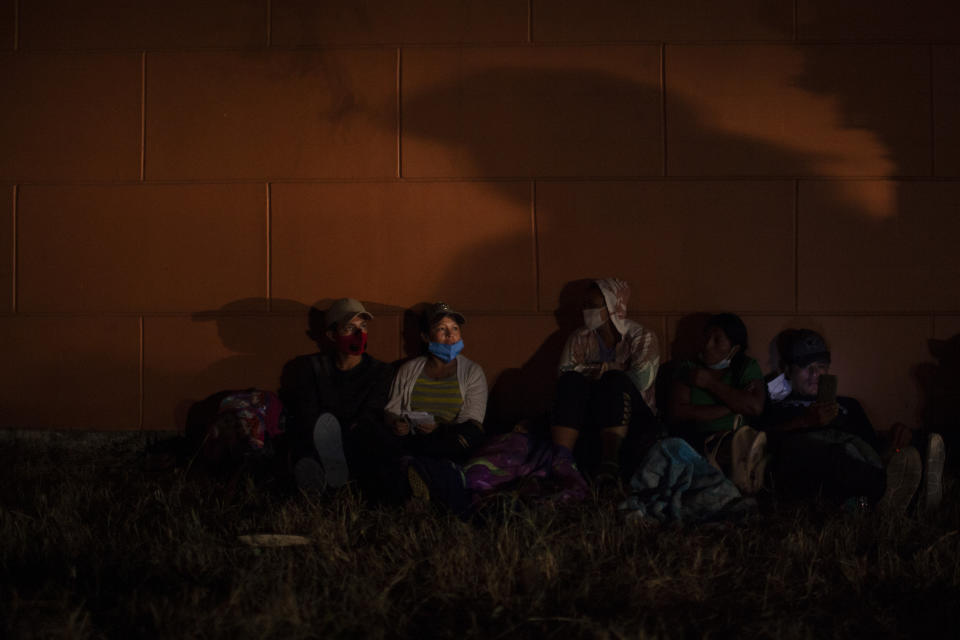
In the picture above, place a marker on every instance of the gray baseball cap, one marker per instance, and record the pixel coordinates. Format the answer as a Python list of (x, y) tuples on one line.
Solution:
[(343, 311)]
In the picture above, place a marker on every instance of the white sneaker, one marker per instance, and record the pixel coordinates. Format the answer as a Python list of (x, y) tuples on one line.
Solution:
[(932, 484), (903, 477), (328, 441)]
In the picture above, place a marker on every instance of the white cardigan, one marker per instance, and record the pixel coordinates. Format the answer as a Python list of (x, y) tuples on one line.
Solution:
[(470, 377)]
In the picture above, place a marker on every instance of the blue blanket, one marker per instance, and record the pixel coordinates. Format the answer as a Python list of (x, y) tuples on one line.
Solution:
[(676, 484)]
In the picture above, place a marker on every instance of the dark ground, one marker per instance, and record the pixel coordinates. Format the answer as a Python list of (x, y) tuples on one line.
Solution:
[(93, 545)]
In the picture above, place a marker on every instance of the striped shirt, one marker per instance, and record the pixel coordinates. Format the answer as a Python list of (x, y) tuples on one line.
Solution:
[(440, 398)]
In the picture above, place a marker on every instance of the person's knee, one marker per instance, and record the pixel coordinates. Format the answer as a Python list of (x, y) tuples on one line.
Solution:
[(572, 382), (616, 380)]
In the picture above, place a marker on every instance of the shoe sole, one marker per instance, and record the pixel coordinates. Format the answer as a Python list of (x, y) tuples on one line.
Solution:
[(933, 473), (739, 452), (308, 474), (419, 490), (328, 441), (748, 458), (903, 478), (756, 463)]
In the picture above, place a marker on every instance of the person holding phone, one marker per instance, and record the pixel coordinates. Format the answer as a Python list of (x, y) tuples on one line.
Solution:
[(824, 444)]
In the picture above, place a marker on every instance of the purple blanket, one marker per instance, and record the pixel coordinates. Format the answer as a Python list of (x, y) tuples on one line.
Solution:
[(509, 459)]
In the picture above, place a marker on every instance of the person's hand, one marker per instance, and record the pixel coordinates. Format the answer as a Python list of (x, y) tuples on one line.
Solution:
[(401, 427), (820, 414), (703, 378), (427, 427), (900, 435), (592, 371)]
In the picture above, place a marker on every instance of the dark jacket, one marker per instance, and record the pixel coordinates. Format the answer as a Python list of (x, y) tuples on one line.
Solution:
[(311, 385)]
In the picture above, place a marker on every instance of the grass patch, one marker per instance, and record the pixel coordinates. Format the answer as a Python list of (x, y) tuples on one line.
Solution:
[(92, 546)]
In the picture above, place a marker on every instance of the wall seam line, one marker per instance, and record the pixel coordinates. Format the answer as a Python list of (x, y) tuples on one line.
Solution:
[(796, 246), (933, 115), (399, 113), (491, 180), (140, 370), (16, 25), (143, 115), (269, 23), (269, 241), (796, 14), (664, 348), (529, 21), (536, 242), (13, 248), (663, 107)]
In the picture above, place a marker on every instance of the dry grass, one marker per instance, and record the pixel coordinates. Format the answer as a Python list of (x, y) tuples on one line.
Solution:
[(92, 546)]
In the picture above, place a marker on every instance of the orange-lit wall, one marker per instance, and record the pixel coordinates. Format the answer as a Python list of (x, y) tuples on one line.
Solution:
[(184, 179)]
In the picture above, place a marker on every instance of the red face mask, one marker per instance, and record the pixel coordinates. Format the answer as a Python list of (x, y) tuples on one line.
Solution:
[(353, 344)]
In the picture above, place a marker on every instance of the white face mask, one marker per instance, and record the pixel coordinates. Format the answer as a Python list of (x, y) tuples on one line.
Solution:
[(723, 364), (594, 318)]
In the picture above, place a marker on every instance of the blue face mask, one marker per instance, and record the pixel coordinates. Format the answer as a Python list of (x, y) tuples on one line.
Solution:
[(446, 352)]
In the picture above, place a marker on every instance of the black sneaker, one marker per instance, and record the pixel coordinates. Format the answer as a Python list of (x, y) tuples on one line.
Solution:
[(309, 476), (607, 480)]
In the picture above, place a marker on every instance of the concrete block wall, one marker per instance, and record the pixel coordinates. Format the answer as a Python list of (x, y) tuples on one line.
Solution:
[(182, 181)]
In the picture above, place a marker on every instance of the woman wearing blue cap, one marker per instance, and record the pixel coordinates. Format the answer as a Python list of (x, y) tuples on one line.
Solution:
[(438, 400), (437, 404)]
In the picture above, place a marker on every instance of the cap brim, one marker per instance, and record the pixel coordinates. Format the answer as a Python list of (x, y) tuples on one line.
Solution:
[(823, 356), (366, 315), (453, 314), (344, 319)]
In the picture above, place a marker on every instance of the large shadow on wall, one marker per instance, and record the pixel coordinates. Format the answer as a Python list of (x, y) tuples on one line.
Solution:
[(548, 125), (542, 108), (525, 394), (524, 391), (258, 342), (260, 345), (794, 152)]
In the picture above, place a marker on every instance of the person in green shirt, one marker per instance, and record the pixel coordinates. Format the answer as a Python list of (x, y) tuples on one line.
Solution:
[(711, 393)]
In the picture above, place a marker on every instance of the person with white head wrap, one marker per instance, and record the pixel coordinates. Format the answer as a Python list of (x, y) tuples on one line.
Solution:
[(607, 372)]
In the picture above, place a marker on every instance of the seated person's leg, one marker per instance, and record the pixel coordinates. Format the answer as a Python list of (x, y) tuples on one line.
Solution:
[(570, 409), (328, 466), (623, 416), (802, 466), (853, 476), (809, 464)]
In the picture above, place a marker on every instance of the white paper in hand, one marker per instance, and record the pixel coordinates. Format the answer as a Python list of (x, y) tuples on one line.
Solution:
[(416, 418)]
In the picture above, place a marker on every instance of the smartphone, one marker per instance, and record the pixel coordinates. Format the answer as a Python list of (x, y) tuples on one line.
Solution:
[(827, 389)]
